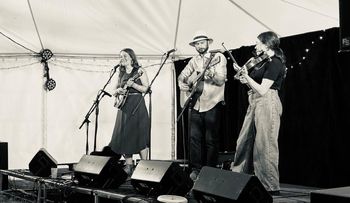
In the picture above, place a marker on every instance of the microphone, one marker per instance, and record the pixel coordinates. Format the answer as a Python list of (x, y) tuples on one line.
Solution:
[(216, 51), (106, 93), (170, 51)]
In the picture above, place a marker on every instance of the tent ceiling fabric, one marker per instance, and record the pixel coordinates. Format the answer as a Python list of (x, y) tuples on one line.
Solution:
[(150, 26)]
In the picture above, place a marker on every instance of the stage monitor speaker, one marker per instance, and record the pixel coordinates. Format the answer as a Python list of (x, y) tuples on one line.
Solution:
[(344, 23), (216, 185), (156, 177), (42, 163), (3, 165), (334, 195), (99, 172)]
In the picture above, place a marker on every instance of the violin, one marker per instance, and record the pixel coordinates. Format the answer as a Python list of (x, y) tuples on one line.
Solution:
[(252, 62), (255, 60), (249, 64)]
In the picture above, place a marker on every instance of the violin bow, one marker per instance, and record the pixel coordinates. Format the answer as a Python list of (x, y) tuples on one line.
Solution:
[(229, 53), (232, 58)]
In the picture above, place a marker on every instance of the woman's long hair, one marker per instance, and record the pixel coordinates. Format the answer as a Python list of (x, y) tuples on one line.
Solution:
[(134, 62), (271, 40)]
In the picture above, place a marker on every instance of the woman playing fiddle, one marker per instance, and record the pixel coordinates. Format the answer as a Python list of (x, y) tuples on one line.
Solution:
[(257, 144)]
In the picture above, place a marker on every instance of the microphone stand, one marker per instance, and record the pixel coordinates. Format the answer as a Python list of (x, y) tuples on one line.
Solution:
[(189, 105), (95, 106), (150, 101)]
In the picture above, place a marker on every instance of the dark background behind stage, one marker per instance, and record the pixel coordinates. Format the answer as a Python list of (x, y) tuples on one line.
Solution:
[(314, 136)]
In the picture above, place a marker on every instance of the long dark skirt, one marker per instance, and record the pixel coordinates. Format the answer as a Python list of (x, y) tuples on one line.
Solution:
[(131, 131)]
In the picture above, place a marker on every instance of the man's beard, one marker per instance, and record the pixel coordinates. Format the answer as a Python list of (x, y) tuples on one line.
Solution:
[(202, 50)]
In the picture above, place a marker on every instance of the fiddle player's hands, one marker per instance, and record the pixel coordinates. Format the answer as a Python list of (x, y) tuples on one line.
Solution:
[(236, 67), (243, 75), (244, 71), (242, 79)]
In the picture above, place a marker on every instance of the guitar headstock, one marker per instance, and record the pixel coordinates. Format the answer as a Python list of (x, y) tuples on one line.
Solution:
[(215, 61), (139, 72)]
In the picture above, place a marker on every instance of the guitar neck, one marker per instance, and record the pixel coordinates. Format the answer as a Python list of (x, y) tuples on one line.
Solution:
[(211, 62)]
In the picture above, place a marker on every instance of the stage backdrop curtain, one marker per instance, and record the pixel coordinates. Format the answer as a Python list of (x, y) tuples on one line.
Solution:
[(313, 137), (33, 118)]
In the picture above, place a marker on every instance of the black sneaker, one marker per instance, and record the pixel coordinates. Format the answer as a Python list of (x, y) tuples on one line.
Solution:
[(194, 175), (274, 193)]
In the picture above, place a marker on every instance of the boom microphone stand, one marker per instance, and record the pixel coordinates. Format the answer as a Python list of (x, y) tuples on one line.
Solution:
[(150, 99), (95, 107)]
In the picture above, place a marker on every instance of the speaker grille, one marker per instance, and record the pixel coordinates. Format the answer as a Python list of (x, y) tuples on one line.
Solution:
[(91, 164), (42, 163), (153, 178), (216, 185), (99, 172)]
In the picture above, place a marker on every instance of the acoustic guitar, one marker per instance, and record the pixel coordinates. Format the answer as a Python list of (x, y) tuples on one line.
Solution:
[(121, 98), (192, 82)]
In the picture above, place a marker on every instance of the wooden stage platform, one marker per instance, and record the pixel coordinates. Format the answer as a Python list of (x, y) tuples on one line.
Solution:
[(23, 187)]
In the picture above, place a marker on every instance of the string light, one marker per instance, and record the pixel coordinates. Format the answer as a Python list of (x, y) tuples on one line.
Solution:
[(18, 66), (307, 51), (68, 62)]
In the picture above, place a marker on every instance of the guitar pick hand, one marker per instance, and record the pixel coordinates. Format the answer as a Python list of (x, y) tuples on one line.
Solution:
[(209, 74), (120, 91)]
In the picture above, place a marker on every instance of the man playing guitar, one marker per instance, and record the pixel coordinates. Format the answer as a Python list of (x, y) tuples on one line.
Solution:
[(207, 106)]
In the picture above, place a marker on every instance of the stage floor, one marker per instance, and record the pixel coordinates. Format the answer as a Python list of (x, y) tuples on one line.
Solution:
[(293, 194), (289, 193)]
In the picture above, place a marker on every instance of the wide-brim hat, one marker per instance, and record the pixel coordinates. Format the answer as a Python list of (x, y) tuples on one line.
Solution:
[(200, 35)]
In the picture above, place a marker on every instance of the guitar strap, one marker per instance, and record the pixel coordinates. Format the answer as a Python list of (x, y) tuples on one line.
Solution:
[(206, 65)]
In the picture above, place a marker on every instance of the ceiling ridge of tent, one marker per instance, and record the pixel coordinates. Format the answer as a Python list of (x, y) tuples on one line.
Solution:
[(35, 25), (310, 10), (9, 38), (253, 17), (13, 55), (177, 24)]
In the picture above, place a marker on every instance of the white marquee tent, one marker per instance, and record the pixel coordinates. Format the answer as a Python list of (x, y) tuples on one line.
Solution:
[(86, 37)]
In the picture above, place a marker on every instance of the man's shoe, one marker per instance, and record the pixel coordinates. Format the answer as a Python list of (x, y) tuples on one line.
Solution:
[(274, 193), (194, 175)]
